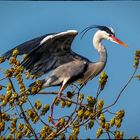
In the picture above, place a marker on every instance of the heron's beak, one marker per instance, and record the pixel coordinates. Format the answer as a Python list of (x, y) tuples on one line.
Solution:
[(116, 40)]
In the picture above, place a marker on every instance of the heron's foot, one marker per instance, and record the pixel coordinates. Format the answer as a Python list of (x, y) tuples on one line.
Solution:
[(53, 122)]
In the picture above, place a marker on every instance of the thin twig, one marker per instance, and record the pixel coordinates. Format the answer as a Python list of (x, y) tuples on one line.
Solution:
[(121, 91), (109, 112), (108, 135)]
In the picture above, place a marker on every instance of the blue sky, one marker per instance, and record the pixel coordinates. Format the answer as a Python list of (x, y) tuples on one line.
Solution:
[(21, 21)]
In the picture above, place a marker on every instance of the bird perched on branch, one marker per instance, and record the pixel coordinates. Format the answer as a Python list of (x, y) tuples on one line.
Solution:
[(52, 52)]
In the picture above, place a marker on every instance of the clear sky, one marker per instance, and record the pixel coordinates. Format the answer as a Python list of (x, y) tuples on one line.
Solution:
[(21, 21)]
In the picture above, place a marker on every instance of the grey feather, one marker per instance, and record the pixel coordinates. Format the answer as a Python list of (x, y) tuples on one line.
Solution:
[(71, 71)]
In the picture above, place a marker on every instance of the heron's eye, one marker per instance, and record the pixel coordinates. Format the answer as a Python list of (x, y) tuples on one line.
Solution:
[(111, 35)]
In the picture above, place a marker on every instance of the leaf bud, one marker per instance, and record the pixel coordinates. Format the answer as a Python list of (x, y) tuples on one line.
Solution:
[(99, 132), (62, 121), (118, 123), (102, 117), (86, 114), (107, 126), (2, 59), (112, 122), (15, 52), (38, 104), (80, 113)]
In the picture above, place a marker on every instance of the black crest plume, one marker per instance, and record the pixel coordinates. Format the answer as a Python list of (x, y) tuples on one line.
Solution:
[(103, 28)]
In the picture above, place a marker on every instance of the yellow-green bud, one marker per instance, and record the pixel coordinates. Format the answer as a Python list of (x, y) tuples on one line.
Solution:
[(99, 132), (12, 60), (62, 121), (100, 104), (20, 126), (2, 97), (35, 119), (118, 123), (81, 97), (75, 131), (38, 104), (18, 134), (91, 101), (121, 135), (90, 124), (15, 52), (102, 124), (12, 130), (2, 126), (86, 114), (28, 75), (107, 126), (103, 79), (57, 101), (116, 134), (102, 117), (45, 109), (4, 103), (120, 114), (8, 94), (2, 59), (80, 113), (8, 74), (68, 103), (15, 95), (63, 103), (112, 121)]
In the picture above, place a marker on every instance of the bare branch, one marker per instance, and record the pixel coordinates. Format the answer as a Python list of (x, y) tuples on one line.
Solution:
[(128, 82)]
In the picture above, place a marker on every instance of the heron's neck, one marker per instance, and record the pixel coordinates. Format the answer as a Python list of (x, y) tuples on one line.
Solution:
[(100, 48)]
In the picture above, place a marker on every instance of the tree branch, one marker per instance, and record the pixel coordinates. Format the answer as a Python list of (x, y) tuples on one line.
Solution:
[(24, 115), (128, 82)]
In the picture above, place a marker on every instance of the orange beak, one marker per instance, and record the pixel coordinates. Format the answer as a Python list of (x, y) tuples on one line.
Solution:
[(116, 40)]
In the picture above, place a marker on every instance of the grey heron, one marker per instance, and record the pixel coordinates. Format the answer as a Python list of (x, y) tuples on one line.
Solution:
[(52, 52)]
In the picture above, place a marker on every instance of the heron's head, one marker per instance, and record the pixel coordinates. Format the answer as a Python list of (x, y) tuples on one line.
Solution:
[(104, 33)]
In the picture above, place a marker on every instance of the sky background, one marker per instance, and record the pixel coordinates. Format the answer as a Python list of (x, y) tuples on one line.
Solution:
[(22, 21)]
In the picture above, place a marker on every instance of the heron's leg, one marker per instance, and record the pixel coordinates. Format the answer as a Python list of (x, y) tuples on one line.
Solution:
[(62, 88), (52, 106), (51, 117)]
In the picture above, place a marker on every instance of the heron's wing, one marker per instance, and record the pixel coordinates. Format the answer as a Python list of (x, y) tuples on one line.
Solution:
[(26, 47), (53, 51), (47, 52)]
